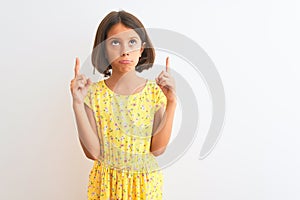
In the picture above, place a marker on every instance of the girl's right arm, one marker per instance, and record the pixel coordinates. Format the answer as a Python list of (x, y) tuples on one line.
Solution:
[(87, 131), (84, 116)]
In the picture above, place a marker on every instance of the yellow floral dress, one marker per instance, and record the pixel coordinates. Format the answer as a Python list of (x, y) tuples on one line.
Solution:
[(126, 170)]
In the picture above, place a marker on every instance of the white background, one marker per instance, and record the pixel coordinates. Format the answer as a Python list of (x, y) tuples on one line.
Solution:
[(254, 45)]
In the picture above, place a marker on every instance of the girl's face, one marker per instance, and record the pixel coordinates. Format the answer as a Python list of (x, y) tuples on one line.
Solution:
[(123, 48)]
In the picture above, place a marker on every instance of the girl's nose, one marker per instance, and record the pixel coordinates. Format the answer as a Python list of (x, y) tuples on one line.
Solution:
[(125, 50), (125, 54)]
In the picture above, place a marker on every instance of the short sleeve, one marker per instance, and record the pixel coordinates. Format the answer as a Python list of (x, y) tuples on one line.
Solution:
[(160, 98), (88, 98)]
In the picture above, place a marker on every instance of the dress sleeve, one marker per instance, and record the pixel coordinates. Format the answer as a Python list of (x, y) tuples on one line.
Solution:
[(88, 98), (160, 99)]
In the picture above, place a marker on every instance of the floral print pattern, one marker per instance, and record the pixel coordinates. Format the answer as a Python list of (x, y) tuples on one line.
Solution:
[(126, 170)]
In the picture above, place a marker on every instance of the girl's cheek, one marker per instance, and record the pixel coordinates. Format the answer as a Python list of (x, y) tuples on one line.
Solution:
[(112, 56)]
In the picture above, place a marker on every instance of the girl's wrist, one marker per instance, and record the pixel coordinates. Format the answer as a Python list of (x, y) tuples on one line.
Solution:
[(172, 101), (77, 105)]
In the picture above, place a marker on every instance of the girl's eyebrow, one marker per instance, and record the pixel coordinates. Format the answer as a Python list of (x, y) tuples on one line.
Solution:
[(116, 38)]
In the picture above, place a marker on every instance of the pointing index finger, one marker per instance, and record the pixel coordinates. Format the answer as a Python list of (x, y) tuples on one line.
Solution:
[(167, 65), (77, 67)]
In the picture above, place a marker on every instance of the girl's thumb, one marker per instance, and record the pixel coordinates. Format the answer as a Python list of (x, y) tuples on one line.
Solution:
[(89, 82)]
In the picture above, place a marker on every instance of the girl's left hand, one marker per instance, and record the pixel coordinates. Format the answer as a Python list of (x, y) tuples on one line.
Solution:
[(167, 83)]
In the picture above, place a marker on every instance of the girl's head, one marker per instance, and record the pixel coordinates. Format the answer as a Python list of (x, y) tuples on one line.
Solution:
[(122, 42)]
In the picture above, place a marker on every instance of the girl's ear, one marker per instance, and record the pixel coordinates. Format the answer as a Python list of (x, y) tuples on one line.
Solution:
[(142, 48)]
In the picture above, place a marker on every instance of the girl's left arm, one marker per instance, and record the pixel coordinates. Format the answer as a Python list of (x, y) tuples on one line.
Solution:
[(162, 128), (163, 121)]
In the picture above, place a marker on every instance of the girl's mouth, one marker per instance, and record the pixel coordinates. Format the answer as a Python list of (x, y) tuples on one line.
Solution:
[(125, 61)]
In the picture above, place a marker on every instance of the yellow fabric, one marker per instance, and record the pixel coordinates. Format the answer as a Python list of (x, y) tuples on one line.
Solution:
[(127, 170)]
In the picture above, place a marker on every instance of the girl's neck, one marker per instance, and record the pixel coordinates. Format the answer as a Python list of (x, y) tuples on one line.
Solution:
[(128, 78)]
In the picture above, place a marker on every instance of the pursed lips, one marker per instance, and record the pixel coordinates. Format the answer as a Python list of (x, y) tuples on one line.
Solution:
[(125, 61)]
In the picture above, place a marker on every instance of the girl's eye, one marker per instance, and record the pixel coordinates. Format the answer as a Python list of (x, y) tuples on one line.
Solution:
[(132, 42), (115, 42)]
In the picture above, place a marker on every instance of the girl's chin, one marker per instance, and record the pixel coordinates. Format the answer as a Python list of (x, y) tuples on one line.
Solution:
[(130, 66)]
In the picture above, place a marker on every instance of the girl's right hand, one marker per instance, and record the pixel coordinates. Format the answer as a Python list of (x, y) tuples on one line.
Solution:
[(79, 85)]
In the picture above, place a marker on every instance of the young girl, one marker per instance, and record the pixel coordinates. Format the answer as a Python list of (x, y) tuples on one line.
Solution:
[(123, 121)]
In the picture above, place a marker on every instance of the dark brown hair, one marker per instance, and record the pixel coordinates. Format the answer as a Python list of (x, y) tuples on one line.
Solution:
[(98, 54)]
